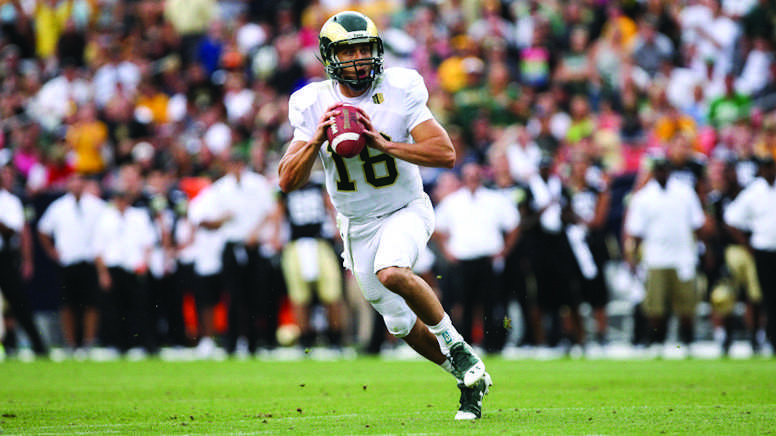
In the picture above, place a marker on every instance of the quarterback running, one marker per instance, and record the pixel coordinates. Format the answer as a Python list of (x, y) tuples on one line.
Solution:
[(383, 215)]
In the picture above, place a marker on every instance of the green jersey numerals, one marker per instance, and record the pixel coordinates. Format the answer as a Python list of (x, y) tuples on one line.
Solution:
[(370, 165)]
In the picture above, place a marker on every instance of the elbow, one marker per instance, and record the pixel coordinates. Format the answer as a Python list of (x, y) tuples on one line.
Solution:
[(285, 186), (448, 160), (284, 180), (286, 183)]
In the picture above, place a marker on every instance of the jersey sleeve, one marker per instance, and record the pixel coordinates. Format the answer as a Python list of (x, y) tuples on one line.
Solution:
[(442, 221), (635, 222), (13, 217), (46, 223), (147, 233), (200, 206), (510, 218), (697, 217), (737, 213), (299, 114), (416, 100), (101, 234)]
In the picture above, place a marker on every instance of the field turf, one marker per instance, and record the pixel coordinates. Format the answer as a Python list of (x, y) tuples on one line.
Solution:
[(374, 396)]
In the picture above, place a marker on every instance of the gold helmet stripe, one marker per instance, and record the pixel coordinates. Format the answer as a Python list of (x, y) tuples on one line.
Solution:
[(335, 32)]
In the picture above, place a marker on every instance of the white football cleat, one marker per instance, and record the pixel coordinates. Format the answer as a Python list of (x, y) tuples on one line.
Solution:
[(471, 399)]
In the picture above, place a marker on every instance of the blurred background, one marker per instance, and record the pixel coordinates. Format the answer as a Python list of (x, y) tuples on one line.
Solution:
[(154, 100)]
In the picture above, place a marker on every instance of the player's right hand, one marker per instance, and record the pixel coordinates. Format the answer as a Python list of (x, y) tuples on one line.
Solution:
[(326, 120)]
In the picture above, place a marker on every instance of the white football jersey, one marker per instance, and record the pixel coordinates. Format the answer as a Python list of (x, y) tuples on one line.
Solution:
[(373, 183)]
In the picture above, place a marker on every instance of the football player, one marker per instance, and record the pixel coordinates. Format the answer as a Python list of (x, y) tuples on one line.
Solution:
[(383, 215)]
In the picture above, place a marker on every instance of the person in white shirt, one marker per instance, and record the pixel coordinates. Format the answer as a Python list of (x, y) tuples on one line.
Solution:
[(523, 154), (11, 228), (124, 237), (55, 98), (384, 217), (475, 228), (242, 202), (207, 248), (66, 233), (754, 210), (666, 215), (113, 72)]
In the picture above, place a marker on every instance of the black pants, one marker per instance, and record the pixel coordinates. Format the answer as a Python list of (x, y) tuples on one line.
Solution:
[(19, 304), (553, 269), (253, 305), (765, 262), (80, 291), (167, 310), (79, 285), (126, 321), (514, 281), (478, 287)]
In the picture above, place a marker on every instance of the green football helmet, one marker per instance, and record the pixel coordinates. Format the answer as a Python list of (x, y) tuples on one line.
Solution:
[(351, 27)]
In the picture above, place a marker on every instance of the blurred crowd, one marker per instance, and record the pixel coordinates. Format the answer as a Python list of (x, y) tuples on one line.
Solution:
[(155, 127)]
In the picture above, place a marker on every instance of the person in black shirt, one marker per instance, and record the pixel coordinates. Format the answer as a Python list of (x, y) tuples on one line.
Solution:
[(733, 265), (586, 233), (517, 262), (310, 266)]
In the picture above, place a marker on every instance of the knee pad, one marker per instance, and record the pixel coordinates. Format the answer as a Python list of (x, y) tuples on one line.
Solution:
[(397, 315), (400, 324)]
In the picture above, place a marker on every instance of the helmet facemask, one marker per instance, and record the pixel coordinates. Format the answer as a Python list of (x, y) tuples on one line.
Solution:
[(349, 28), (373, 65)]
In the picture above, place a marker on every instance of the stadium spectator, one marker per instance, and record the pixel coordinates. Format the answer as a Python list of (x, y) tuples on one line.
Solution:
[(310, 267), (729, 107), (651, 48), (56, 98), (522, 153), (243, 201), (165, 297), (553, 260), (575, 68), (190, 18), (755, 72), (517, 260), (753, 211), (590, 200), (72, 43), (50, 18), (86, 138), (475, 228), (666, 215), (115, 71), (207, 249), (11, 228), (734, 264), (66, 232), (123, 240)]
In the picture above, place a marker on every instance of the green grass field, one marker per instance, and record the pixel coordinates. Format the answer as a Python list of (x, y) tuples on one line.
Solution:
[(373, 396)]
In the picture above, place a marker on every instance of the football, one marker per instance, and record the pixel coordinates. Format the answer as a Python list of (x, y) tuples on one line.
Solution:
[(345, 135)]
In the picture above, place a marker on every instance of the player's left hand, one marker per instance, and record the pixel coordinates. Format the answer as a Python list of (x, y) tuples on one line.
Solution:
[(373, 137)]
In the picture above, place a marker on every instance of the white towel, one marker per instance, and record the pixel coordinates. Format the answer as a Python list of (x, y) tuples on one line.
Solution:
[(576, 234), (548, 195)]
